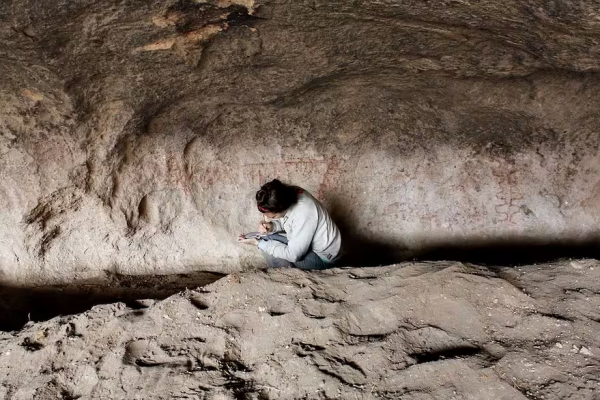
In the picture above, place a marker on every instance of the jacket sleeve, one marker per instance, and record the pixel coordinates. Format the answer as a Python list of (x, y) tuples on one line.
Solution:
[(300, 236), (277, 226)]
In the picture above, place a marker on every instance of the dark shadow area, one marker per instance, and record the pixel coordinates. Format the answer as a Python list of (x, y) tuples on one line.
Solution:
[(18, 305), (361, 250), (511, 252), (458, 352), (365, 252), (357, 248)]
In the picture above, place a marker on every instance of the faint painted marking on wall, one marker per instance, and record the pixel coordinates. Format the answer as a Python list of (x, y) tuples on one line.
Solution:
[(321, 173), (510, 200)]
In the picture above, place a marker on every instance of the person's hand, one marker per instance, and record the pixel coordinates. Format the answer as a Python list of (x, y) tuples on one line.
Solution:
[(250, 241), (265, 227)]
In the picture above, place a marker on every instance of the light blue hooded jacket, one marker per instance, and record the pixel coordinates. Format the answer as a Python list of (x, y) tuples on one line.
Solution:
[(308, 227)]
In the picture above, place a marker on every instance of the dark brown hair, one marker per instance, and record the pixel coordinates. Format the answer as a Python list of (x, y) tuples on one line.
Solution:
[(276, 196)]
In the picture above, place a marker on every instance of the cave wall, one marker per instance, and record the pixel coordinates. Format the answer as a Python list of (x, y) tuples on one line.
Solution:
[(134, 134)]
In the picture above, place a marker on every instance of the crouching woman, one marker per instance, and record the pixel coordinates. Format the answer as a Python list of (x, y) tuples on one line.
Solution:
[(298, 230)]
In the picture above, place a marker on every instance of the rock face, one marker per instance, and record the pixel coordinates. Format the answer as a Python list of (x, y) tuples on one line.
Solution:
[(415, 331), (133, 134)]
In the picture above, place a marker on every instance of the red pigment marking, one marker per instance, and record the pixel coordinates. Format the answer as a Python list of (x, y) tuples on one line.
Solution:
[(175, 176), (283, 168), (507, 180), (432, 218), (294, 162), (260, 173), (260, 176), (216, 174), (330, 178)]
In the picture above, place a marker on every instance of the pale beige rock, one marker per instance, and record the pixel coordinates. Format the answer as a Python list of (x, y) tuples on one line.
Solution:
[(419, 124)]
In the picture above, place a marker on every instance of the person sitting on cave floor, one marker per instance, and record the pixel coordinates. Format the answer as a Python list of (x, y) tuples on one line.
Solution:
[(297, 230)]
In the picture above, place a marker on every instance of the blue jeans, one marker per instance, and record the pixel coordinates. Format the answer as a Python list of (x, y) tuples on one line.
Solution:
[(310, 260)]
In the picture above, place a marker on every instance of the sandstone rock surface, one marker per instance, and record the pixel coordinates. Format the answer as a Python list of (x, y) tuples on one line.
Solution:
[(416, 331), (133, 134)]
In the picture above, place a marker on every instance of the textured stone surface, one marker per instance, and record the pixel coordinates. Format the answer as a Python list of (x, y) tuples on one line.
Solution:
[(414, 331), (133, 134)]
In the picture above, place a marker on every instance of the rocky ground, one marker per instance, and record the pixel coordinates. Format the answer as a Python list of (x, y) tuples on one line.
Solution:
[(415, 331)]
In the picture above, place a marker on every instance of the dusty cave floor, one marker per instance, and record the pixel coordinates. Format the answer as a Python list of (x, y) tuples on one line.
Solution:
[(422, 330)]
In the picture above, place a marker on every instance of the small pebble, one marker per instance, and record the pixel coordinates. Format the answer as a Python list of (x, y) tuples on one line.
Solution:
[(586, 351)]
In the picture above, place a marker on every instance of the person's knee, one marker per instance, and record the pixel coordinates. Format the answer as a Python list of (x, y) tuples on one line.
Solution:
[(274, 262)]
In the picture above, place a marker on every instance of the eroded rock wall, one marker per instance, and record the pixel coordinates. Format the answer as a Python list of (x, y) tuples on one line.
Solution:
[(134, 134)]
